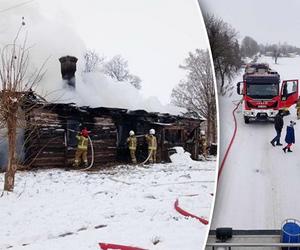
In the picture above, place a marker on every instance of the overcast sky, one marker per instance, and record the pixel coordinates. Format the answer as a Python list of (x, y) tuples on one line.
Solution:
[(264, 20), (153, 35)]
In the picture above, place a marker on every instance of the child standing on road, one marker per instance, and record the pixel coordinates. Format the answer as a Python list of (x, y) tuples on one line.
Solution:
[(290, 137)]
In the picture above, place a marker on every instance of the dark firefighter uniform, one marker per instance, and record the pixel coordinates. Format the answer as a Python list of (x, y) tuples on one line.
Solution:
[(132, 142), (152, 147)]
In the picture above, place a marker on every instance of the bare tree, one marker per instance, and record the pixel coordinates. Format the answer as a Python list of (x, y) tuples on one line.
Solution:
[(117, 68), (225, 51), (196, 93), (249, 47), (134, 81), (17, 83), (92, 61), (276, 52)]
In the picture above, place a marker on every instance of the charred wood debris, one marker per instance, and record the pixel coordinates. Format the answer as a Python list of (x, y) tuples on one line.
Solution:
[(51, 129)]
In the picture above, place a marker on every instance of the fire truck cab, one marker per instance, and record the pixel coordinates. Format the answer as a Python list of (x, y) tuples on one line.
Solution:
[(264, 94)]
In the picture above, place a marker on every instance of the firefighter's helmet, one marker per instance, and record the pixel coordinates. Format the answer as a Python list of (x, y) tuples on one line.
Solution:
[(131, 132), (152, 131), (85, 132), (202, 132)]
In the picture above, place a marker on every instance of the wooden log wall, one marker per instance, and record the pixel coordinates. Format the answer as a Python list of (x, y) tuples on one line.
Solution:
[(104, 138), (47, 142)]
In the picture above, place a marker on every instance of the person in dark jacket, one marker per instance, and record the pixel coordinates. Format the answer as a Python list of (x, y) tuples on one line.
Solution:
[(278, 124), (290, 137)]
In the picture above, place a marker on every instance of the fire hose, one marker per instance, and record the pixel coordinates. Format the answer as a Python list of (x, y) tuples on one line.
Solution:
[(106, 246), (149, 155), (92, 151), (147, 159), (176, 204), (185, 213), (231, 141)]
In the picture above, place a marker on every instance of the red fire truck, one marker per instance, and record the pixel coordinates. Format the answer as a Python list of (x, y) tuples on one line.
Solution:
[(264, 94)]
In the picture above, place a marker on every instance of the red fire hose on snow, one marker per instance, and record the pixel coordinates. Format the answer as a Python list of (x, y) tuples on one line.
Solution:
[(106, 246), (231, 141), (176, 204), (185, 213)]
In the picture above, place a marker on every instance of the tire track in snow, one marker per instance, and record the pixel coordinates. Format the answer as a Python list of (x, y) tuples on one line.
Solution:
[(270, 189)]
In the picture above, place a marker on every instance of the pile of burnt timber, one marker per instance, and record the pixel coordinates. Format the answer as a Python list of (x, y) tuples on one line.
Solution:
[(50, 135)]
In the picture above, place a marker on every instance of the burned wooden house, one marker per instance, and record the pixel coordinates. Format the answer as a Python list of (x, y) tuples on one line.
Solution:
[(50, 137), (50, 134)]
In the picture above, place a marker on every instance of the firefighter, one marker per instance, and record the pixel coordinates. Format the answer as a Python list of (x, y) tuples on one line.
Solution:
[(81, 152), (132, 142), (152, 145), (203, 143), (290, 137), (298, 108)]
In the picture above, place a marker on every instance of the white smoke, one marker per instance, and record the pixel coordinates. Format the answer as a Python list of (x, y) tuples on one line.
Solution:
[(51, 37)]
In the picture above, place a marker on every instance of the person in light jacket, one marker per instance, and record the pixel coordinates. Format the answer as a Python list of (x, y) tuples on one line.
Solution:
[(152, 145), (132, 142), (82, 148)]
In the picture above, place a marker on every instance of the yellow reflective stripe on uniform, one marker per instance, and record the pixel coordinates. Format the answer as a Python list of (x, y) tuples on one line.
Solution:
[(152, 142), (132, 142), (83, 142)]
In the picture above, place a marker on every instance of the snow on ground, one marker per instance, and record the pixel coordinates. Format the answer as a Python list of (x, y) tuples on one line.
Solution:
[(130, 205), (259, 186)]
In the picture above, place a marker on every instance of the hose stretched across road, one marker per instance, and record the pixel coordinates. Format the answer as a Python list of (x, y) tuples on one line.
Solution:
[(231, 141)]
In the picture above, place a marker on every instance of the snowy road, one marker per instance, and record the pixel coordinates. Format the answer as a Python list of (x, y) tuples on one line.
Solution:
[(128, 205), (260, 185)]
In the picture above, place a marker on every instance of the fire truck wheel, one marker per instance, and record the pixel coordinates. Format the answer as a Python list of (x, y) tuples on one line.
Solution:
[(246, 119)]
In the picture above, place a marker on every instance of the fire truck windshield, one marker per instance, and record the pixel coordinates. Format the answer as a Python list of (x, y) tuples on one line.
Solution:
[(262, 90)]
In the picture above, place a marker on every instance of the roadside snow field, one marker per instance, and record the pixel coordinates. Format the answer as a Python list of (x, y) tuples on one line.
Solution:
[(129, 205)]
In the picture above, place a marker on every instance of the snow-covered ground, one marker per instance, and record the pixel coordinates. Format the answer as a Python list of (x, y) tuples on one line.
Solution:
[(130, 205), (259, 187)]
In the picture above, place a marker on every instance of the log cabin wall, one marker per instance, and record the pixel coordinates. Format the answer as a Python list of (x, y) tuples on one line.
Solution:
[(51, 131), (44, 139), (51, 135)]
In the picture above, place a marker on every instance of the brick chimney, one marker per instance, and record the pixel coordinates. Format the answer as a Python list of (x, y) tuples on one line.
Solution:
[(68, 69)]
